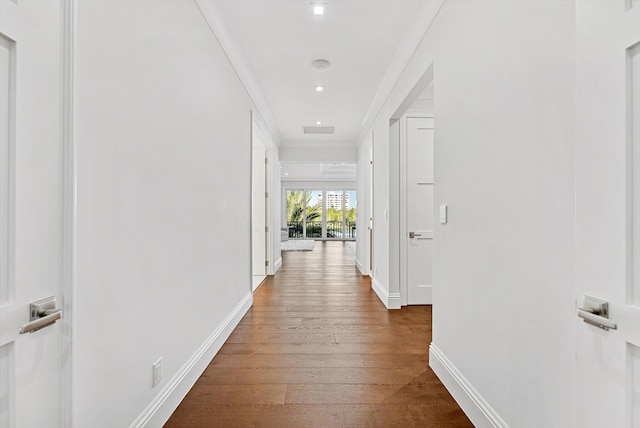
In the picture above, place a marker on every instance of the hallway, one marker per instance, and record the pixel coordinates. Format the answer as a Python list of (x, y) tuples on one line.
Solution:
[(318, 349)]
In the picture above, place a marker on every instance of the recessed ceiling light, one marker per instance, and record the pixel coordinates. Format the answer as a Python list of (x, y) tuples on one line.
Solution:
[(319, 88), (286, 173), (319, 8)]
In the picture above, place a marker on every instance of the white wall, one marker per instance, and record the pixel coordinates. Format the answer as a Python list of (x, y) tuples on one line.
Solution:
[(503, 296), (163, 234)]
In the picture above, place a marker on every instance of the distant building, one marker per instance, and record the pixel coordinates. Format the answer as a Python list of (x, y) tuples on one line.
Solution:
[(336, 200)]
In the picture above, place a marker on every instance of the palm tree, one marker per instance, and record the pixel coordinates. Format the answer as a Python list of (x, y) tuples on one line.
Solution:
[(296, 203)]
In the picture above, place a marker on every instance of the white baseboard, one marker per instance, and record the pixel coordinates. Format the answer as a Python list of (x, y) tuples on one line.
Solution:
[(162, 407), (393, 301), (360, 267), (472, 403), (390, 300), (383, 294), (278, 265)]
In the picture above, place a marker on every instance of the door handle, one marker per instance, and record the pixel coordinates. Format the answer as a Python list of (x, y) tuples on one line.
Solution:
[(596, 312), (413, 235), (43, 313)]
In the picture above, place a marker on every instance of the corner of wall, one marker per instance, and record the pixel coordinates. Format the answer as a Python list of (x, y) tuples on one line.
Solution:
[(394, 301), (390, 300), (469, 399)]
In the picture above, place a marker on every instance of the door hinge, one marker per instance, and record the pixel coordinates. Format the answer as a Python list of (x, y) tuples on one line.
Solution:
[(266, 160), (266, 194), (266, 263), (266, 228)]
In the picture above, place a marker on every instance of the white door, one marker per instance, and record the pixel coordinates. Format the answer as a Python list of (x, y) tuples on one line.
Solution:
[(258, 211), (31, 186), (419, 211), (607, 234)]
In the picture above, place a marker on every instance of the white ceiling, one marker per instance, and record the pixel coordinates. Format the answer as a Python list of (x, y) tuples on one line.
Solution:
[(278, 40)]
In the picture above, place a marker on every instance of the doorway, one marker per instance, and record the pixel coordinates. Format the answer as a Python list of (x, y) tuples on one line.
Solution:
[(259, 209), (414, 120)]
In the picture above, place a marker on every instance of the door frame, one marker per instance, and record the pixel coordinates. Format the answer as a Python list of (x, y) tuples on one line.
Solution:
[(258, 138), (372, 196), (69, 204), (403, 113)]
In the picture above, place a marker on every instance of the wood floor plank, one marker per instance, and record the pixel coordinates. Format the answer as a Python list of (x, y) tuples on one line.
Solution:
[(315, 328), (319, 349), (322, 314), (238, 394), (382, 337), (306, 375), (364, 393), (280, 337), (325, 416), (377, 308), (290, 360)]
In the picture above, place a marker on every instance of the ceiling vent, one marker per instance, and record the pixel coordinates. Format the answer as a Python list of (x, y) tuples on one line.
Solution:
[(318, 129), (320, 65)]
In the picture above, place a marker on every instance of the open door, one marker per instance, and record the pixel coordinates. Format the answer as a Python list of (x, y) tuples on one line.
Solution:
[(31, 212), (607, 238)]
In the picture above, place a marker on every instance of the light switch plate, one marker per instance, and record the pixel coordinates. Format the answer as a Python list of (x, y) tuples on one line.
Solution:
[(443, 214)]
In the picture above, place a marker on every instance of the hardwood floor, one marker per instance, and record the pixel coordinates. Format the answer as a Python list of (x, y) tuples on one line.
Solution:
[(319, 349)]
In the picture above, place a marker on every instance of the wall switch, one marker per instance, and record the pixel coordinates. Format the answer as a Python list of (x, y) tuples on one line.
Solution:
[(157, 372), (443, 214)]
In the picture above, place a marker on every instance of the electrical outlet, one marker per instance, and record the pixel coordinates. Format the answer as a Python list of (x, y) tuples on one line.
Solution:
[(157, 372)]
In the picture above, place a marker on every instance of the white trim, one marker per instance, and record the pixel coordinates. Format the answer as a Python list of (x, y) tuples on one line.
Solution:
[(69, 207), (360, 268), (404, 261), (470, 400), (218, 28), (334, 181), (390, 300), (383, 294), (319, 185), (166, 402), (278, 264), (394, 301), (406, 49)]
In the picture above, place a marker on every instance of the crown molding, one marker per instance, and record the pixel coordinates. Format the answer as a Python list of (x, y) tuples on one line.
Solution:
[(210, 12), (404, 52)]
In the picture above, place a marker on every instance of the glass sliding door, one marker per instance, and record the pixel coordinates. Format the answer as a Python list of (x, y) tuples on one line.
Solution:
[(314, 215), (351, 207), (335, 214), (295, 213), (321, 214)]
